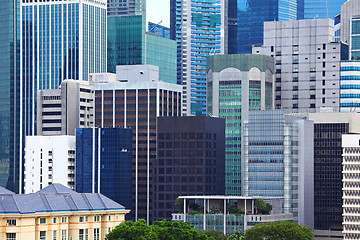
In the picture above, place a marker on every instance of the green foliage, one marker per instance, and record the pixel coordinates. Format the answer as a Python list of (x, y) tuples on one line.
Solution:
[(234, 210), (262, 206), (217, 235), (236, 236), (159, 230), (280, 230), (179, 204)]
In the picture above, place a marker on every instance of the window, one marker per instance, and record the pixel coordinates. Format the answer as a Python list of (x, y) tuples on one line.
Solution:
[(312, 96), (42, 235), (296, 52), (312, 78), (295, 61), (295, 79), (96, 234), (54, 235), (11, 222), (295, 105), (63, 234), (42, 220), (81, 234), (295, 88), (54, 220), (81, 219), (63, 219), (312, 69), (295, 70), (312, 105), (96, 218), (10, 236), (109, 218)]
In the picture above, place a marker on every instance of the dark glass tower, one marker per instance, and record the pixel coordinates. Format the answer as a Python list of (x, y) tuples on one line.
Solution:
[(322, 8), (246, 18), (104, 163), (10, 94)]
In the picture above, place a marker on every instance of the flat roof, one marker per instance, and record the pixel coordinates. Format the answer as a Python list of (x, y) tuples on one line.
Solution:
[(230, 197)]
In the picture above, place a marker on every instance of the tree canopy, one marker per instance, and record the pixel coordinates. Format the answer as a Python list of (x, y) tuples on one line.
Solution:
[(159, 230), (279, 230)]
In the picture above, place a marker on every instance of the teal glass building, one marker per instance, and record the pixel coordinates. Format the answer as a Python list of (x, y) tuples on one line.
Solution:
[(322, 8), (130, 44), (236, 84), (59, 40), (10, 144)]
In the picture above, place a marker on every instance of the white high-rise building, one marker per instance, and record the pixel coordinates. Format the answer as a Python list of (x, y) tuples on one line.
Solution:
[(49, 159), (59, 40), (307, 64), (200, 31), (351, 185)]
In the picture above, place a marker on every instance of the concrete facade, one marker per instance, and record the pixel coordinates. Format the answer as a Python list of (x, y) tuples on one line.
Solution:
[(307, 64), (61, 111), (351, 183), (49, 159)]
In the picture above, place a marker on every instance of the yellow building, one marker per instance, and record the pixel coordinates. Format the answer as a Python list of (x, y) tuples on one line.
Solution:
[(57, 213)]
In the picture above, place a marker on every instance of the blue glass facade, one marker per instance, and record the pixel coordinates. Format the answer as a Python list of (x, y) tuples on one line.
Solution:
[(56, 46), (164, 32), (10, 94), (104, 163), (322, 8), (246, 24)]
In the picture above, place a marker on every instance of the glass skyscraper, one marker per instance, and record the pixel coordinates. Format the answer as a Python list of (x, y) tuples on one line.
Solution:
[(130, 44), (126, 7), (322, 8), (199, 32), (238, 83), (104, 163), (10, 144), (246, 18), (60, 40)]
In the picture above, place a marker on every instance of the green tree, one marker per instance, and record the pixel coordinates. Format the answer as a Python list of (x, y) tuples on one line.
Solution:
[(262, 206), (159, 230), (279, 230), (179, 204), (217, 235)]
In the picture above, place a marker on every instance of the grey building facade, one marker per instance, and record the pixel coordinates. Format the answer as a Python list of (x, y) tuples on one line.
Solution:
[(307, 64), (61, 111), (278, 161)]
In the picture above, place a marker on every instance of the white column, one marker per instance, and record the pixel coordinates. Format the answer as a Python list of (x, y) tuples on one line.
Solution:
[(224, 216), (245, 220), (184, 209), (204, 219)]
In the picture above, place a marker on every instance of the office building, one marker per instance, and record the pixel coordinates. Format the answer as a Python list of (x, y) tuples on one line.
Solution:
[(349, 86), (246, 18), (60, 111), (190, 160), (230, 222), (351, 182), (49, 159), (126, 7), (134, 100), (200, 31), (10, 141), (162, 31), (307, 64), (104, 163), (60, 40), (130, 44), (57, 212), (350, 27), (236, 85), (322, 8), (328, 128), (278, 161)]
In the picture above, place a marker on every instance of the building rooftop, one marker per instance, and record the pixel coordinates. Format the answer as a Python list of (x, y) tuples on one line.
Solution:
[(54, 198), (230, 197)]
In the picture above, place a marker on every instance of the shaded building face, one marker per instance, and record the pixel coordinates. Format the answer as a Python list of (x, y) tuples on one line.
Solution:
[(190, 161)]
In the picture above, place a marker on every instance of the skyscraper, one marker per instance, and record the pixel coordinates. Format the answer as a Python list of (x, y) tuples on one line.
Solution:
[(307, 63), (60, 40), (200, 32), (246, 18), (126, 7), (134, 100), (278, 161), (350, 27), (10, 143), (322, 8), (237, 84)]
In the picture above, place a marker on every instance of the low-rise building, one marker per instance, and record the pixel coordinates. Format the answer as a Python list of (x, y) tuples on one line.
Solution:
[(214, 208), (57, 212)]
